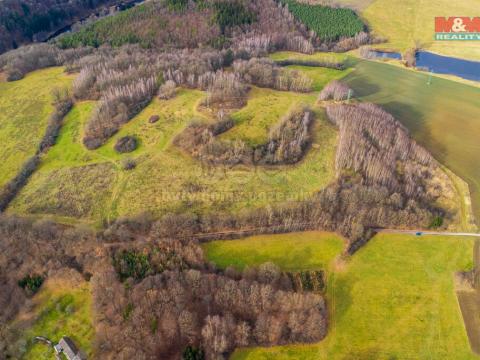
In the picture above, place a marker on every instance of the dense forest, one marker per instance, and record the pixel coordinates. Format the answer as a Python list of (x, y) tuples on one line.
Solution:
[(327, 22), (161, 299), (26, 21), (180, 24)]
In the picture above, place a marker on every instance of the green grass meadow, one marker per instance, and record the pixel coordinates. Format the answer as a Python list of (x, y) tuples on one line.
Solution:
[(265, 108), (393, 299), (74, 183), (311, 250), (25, 107)]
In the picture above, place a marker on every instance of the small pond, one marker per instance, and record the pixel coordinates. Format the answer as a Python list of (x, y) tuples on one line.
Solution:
[(465, 69), (387, 54)]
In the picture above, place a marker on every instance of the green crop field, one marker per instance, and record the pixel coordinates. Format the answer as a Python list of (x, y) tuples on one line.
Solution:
[(74, 183), (59, 310), (394, 299), (25, 107), (442, 116)]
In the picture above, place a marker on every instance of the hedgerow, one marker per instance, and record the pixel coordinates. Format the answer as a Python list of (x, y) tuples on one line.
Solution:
[(328, 23)]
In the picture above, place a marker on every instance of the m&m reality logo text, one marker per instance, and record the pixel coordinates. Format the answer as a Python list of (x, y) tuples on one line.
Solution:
[(457, 28)]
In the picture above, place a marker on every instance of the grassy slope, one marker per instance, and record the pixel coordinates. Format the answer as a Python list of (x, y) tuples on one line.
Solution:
[(25, 106), (405, 21), (394, 299), (60, 310), (163, 174), (443, 116)]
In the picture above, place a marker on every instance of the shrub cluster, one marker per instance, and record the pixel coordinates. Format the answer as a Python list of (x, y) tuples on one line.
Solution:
[(287, 142), (63, 103), (264, 72), (19, 62), (337, 65), (224, 90), (126, 144), (168, 90), (335, 90), (31, 283), (11, 189)]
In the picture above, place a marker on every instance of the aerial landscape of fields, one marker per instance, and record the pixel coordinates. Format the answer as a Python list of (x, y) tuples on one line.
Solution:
[(239, 179)]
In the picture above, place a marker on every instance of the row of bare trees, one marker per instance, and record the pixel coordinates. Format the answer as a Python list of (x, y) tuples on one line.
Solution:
[(17, 63), (62, 105), (264, 72), (378, 147)]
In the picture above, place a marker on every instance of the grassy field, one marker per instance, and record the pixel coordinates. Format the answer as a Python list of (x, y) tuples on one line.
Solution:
[(405, 22), (442, 116), (320, 76), (265, 108), (25, 107), (394, 299), (315, 249), (90, 185), (60, 310)]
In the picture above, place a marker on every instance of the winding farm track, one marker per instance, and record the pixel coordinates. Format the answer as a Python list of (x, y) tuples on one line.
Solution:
[(422, 232), (223, 235)]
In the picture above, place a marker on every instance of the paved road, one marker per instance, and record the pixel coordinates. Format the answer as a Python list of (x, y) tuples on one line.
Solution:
[(422, 232)]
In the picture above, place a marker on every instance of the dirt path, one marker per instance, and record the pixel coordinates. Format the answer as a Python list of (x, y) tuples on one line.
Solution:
[(427, 232)]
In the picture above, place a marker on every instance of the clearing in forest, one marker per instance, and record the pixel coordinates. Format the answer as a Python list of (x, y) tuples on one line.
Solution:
[(60, 308)]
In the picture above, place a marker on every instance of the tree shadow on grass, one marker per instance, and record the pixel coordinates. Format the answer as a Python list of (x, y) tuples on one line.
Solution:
[(360, 85), (419, 128), (342, 300)]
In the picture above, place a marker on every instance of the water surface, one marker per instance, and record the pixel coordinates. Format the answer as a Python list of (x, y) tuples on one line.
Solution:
[(439, 64)]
